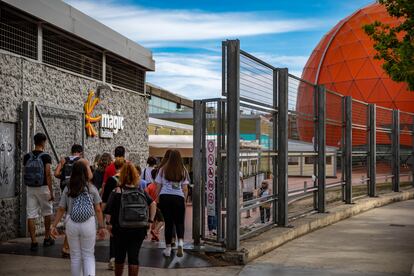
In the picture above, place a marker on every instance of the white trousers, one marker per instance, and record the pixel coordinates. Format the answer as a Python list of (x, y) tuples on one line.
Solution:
[(81, 238)]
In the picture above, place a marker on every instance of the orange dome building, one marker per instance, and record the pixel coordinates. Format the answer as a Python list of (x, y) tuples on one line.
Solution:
[(344, 62)]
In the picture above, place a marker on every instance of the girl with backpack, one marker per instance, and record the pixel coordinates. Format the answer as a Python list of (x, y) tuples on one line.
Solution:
[(81, 202), (172, 181), (129, 211)]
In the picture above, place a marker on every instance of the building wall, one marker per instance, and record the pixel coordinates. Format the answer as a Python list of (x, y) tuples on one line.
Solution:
[(26, 80)]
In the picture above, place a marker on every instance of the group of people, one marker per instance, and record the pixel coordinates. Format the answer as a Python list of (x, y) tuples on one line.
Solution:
[(109, 197)]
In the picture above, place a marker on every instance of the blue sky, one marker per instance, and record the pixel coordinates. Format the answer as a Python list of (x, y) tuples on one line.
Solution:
[(185, 36)]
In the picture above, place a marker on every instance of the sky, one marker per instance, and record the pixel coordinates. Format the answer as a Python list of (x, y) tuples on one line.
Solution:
[(185, 35)]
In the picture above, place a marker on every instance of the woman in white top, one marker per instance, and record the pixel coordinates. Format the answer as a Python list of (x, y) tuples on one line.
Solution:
[(172, 186), (82, 203)]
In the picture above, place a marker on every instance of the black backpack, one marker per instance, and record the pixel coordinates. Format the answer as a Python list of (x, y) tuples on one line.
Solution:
[(34, 170), (134, 211), (67, 172)]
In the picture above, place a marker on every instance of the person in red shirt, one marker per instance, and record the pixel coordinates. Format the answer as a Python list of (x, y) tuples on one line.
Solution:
[(151, 190), (110, 170)]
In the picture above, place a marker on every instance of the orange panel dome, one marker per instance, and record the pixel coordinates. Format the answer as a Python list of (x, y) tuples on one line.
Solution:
[(344, 62)]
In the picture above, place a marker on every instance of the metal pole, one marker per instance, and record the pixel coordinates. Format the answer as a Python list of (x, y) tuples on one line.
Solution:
[(282, 148), (412, 155), (197, 171), (274, 147), (233, 145), (321, 147), (372, 150), (26, 147), (39, 42), (219, 170), (104, 69), (348, 149), (396, 150)]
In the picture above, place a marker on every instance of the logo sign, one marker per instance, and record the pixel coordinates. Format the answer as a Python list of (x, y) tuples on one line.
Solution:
[(89, 119), (110, 125), (211, 177)]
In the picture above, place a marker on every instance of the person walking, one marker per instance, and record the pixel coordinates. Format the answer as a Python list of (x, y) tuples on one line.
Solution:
[(39, 191), (156, 227), (111, 184), (81, 203), (146, 176), (264, 192), (98, 175), (128, 230), (172, 181), (110, 170), (63, 172)]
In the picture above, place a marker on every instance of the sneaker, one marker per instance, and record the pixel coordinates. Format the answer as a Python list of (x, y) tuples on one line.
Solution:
[(34, 246), (180, 250), (111, 264), (167, 252), (48, 242)]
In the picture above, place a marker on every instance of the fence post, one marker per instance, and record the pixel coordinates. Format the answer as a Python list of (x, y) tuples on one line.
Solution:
[(372, 150), (233, 145), (274, 146), (321, 147), (197, 170), (282, 148), (348, 149), (396, 150)]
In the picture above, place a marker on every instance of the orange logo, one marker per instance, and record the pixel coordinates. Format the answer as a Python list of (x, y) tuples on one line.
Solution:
[(89, 119)]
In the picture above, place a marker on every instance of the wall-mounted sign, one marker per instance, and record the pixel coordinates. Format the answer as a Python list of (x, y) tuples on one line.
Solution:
[(89, 119), (211, 178), (110, 125)]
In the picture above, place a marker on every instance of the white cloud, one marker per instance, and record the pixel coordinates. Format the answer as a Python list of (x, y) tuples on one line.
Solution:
[(195, 76), (154, 25)]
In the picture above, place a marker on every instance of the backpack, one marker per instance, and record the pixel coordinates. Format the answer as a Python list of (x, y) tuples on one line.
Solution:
[(34, 170), (82, 208), (134, 211), (67, 172)]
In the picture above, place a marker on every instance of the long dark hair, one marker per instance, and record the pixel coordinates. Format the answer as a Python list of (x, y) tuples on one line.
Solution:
[(78, 179), (104, 161), (165, 158), (174, 169)]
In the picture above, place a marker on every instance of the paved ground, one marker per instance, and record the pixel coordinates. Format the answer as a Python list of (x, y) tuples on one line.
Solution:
[(379, 242)]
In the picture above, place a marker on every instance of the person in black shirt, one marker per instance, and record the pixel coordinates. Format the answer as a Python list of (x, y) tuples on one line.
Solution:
[(127, 240), (39, 197)]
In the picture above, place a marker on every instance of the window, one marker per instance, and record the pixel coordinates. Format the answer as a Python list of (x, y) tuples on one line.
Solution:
[(293, 160), (309, 160), (328, 160)]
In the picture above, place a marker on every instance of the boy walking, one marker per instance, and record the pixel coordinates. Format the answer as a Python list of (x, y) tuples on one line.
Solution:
[(38, 179)]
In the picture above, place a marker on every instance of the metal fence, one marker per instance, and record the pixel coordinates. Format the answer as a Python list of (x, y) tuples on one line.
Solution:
[(313, 147)]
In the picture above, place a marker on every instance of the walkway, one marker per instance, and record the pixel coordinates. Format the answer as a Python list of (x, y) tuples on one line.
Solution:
[(378, 242)]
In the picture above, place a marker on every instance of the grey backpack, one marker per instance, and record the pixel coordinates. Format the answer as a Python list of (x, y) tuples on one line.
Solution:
[(134, 211), (34, 170)]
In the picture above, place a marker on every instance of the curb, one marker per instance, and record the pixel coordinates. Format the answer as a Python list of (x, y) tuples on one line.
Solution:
[(263, 243)]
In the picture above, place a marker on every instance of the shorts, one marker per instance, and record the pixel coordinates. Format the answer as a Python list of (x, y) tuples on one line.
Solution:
[(38, 202)]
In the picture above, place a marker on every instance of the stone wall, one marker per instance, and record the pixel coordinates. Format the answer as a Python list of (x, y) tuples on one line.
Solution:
[(25, 80)]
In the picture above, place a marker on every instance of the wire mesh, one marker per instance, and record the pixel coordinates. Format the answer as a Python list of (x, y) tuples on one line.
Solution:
[(18, 35), (67, 53), (256, 81), (121, 73)]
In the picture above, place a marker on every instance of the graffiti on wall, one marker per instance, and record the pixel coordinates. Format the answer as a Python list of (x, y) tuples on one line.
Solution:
[(7, 159)]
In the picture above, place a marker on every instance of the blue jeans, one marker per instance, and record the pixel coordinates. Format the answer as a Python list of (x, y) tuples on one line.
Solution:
[(212, 223)]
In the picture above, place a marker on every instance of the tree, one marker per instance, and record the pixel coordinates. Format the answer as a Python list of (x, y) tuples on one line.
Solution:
[(395, 44)]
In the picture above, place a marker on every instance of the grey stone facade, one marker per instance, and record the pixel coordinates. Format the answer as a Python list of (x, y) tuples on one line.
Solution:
[(51, 89)]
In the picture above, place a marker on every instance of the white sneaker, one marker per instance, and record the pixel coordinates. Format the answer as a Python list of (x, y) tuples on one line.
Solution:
[(111, 264), (180, 250), (167, 252)]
